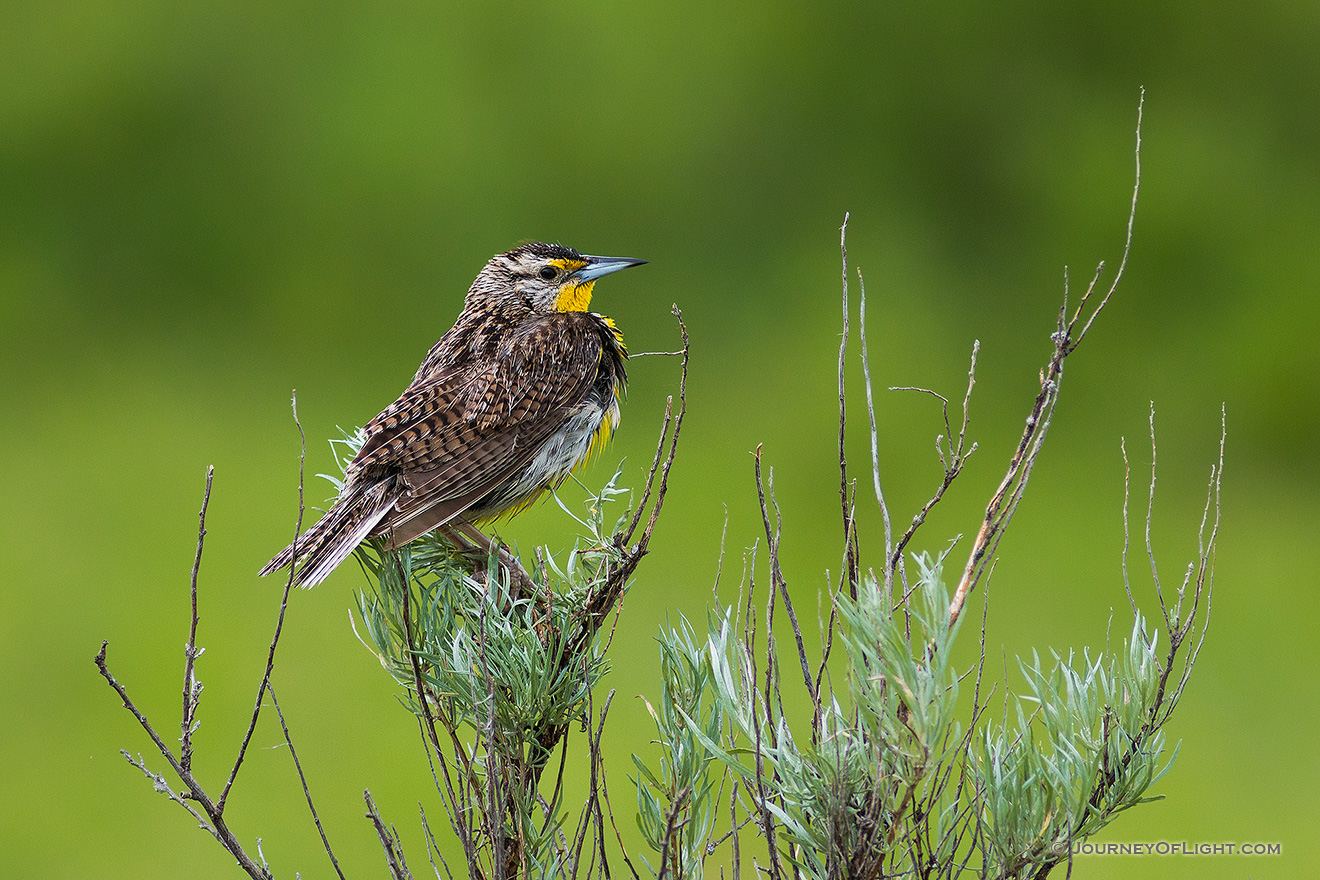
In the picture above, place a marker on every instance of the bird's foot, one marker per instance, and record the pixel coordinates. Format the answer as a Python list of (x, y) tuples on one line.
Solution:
[(471, 541)]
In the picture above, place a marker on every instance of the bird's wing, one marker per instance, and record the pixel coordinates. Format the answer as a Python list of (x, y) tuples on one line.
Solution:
[(456, 435)]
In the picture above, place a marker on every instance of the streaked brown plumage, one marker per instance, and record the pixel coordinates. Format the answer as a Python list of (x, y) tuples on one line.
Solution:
[(512, 398)]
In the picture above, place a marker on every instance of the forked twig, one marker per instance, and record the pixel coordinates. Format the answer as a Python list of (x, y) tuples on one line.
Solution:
[(1178, 628), (1066, 339), (279, 623), (212, 809), (952, 460), (624, 536), (672, 827), (217, 826), (389, 842)]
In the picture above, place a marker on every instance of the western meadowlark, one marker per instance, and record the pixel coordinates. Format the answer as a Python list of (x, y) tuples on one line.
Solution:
[(517, 394)]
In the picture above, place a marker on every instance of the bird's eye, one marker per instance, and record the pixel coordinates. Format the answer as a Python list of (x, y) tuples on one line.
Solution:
[(548, 273)]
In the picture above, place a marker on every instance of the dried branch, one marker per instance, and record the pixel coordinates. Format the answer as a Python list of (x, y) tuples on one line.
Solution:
[(433, 848), (1150, 516), (279, 623), (672, 827), (1177, 627), (1066, 339), (214, 814), (592, 809), (192, 690), (852, 553), (162, 785), (673, 440), (261, 691), (303, 779), (890, 553), (609, 808), (388, 841), (601, 600), (777, 582), (213, 810), (650, 477), (952, 460)]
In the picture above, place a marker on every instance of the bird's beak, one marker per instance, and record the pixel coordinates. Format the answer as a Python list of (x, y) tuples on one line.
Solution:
[(600, 266)]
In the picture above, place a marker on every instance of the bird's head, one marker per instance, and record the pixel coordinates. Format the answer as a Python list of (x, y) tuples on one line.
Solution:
[(543, 278)]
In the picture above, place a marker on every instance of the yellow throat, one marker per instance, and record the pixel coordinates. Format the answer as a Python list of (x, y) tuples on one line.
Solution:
[(574, 297)]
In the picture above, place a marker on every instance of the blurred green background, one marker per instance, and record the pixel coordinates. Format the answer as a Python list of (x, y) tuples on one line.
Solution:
[(205, 205)]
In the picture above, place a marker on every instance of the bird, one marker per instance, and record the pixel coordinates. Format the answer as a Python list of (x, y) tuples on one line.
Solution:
[(519, 393)]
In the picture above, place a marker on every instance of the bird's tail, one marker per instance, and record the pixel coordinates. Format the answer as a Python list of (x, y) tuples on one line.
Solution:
[(322, 547)]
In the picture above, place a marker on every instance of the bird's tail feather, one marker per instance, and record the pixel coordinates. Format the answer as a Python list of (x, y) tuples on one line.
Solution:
[(335, 535)]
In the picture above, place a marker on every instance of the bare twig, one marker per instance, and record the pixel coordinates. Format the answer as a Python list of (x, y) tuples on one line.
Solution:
[(673, 440), (454, 803), (1178, 628), (852, 552), (601, 600), (655, 466), (1066, 339), (952, 460), (192, 691), (734, 828), (626, 535), (672, 827), (429, 721), (432, 848), (217, 826), (388, 841), (303, 779), (778, 582), (875, 446), (162, 785), (182, 766), (1127, 534), (1205, 566), (829, 644), (279, 623), (1169, 620), (1127, 242), (609, 808), (596, 789)]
